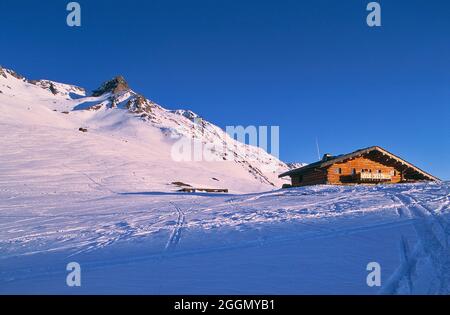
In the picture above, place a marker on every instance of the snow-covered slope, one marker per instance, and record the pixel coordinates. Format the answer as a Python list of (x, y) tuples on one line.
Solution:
[(131, 143), (303, 240), (106, 199)]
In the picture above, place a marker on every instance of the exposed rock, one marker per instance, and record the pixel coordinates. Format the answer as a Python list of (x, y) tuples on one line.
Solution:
[(57, 88), (140, 105), (83, 130), (4, 72), (113, 102), (95, 107), (116, 85), (187, 113), (53, 89)]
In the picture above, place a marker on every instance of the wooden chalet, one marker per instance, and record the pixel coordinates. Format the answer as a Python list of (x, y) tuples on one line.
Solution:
[(366, 166)]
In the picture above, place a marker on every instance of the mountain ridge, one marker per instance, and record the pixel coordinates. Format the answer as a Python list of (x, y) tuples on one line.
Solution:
[(115, 107)]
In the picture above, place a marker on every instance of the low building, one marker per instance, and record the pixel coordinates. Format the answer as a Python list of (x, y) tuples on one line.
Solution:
[(371, 165)]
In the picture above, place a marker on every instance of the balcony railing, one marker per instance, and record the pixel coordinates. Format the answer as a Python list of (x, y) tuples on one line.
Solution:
[(373, 177)]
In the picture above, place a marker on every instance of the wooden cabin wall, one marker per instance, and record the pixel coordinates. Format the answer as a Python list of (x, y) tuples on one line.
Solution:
[(359, 163), (311, 177)]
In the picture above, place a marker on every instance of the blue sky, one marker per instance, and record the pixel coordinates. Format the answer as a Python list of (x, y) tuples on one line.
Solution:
[(312, 67)]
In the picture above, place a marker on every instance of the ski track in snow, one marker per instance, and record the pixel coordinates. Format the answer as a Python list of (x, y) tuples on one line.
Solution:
[(107, 227), (433, 232), (175, 236), (297, 215)]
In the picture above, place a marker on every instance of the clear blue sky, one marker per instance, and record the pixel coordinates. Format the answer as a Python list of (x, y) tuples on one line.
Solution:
[(312, 67)]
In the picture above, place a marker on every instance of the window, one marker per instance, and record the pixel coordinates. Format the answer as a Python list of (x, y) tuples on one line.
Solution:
[(353, 171), (379, 171), (339, 170)]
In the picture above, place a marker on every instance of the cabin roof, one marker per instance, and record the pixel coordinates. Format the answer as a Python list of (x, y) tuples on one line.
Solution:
[(376, 152)]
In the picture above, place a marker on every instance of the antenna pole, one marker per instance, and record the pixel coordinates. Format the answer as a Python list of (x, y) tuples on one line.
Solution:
[(318, 149)]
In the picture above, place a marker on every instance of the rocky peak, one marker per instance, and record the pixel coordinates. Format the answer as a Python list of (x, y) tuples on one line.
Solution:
[(116, 85), (4, 72)]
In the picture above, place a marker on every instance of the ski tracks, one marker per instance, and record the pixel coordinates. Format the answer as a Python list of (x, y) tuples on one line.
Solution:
[(433, 232), (175, 236)]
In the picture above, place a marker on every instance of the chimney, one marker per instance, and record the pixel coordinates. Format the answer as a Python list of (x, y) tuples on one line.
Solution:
[(327, 156)]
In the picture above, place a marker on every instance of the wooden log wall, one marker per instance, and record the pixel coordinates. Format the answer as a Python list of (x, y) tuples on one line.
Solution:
[(360, 163)]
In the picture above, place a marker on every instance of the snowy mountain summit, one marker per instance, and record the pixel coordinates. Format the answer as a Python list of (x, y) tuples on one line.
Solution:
[(116, 85), (125, 129)]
